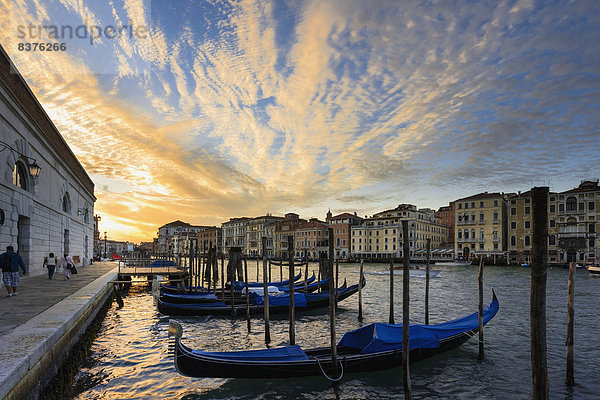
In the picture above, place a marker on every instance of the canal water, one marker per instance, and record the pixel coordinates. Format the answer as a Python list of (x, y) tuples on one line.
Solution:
[(130, 357)]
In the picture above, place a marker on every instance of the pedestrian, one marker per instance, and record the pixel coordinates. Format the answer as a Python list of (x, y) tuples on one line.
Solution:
[(66, 262), (11, 262), (50, 263)]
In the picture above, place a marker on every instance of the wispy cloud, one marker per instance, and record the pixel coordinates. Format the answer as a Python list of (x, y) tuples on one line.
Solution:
[(240, 108)]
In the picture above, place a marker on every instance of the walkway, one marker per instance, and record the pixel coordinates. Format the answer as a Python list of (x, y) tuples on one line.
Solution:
[(38, 293)]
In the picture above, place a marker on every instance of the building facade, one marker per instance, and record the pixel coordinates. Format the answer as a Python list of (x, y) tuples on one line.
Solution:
[(576, 217), (255, 230), (310, 239), (46, 196), (481, 226), (234, 233), (210, 236), (282, 230), (171, 229), (380, 236), (341, 225), (445, 216)]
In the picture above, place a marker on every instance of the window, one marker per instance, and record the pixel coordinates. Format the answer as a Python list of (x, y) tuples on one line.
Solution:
[(480, 246), (592, 228), (481, 204), (591, 243), (513, 202), (513, 241), (571, 203), (527, 240), (19, 175), (460, 206), (495, 203), (581, 206), (527, 201), (472, 204), (527, 224), (466, 205), (481, 217), (552, 208), (459, 234), (495, 216), (527, 210), (551, 240), (552, 223), (591, 206), (513, 225), (66, 203), (513, 211), (561, 207)]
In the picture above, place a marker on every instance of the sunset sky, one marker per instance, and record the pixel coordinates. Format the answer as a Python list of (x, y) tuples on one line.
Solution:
[(225, 109)]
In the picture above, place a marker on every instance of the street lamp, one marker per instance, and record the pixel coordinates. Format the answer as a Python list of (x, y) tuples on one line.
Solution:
[(32, 165), (105, 244)]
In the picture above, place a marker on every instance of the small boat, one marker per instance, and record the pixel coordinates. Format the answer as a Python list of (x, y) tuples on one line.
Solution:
[(525, 265), (237, 284), (277, 304), (239, 297), (372, 347), (594, 269), (451, 264)]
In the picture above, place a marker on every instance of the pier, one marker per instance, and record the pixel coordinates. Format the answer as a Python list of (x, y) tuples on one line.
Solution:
[(41, 325)]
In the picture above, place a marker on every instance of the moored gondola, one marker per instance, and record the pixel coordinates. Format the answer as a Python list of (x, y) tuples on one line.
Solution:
[(277, 304), (370, 348)]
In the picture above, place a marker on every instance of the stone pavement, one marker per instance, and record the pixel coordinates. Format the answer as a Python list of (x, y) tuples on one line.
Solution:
[(38, 293)]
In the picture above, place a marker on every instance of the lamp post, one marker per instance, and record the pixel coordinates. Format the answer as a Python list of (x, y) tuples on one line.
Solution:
[(105, 256)]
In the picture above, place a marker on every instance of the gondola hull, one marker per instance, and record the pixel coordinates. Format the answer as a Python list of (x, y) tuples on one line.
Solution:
[(292, 361), (313, 300)]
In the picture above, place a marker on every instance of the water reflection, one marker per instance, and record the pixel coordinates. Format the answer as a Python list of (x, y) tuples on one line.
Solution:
[(130, 358)]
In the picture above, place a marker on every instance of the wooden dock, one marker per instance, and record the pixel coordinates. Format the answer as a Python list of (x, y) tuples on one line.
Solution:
[(126, 270)]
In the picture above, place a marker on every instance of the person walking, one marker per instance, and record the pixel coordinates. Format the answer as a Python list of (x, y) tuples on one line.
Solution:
[(66, 262), (11, 262), (50, 263)]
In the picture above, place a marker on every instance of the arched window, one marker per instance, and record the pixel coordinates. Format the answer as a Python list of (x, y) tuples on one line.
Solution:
[(20, 175), (66, 203), (513, 241), (527, 240), (571, 203)]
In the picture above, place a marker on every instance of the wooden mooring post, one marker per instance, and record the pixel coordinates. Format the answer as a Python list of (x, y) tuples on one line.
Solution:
[(258, 268), (247, 293), (223, 275), (360, 280), (266, 295), (480, 316), (332, 292), (428, 246), (537, 308), (405, 310), (570, 380), (291, 288), (391, 317)]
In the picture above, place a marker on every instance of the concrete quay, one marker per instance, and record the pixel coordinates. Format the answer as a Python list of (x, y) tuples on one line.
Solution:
[(41, 324)]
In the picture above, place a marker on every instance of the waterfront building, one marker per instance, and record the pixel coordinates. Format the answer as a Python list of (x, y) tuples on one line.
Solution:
[(282, 230), (181, 242), (255, 230), (481, 226), (173, 228), (445, 216), (210, 236), (47, 197), (380, 236), (310, 239), (234, 233), (341, 225), (576, 216)]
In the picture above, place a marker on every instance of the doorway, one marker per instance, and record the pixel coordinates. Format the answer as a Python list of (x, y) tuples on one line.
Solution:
[(23, 238), (66, 241)]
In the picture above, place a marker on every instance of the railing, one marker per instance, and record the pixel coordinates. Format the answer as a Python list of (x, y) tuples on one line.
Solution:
[(150, 266)]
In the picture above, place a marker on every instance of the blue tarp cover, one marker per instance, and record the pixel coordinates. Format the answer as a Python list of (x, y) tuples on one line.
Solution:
[(162, 263), (377, 337), (288, 353), (282, 300)]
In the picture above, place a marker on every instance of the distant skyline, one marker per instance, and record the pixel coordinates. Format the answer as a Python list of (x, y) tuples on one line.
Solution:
[(205, 110)]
